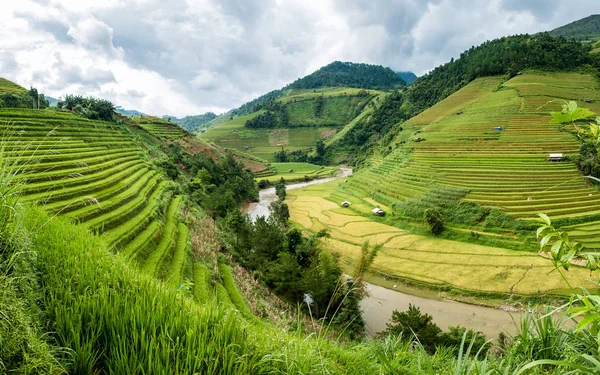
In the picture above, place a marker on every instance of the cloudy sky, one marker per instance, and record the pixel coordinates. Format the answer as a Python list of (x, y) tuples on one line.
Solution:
[(184, 57)]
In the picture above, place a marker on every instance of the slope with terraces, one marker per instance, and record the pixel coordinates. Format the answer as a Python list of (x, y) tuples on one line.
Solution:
[(491, 140), (97, 174)]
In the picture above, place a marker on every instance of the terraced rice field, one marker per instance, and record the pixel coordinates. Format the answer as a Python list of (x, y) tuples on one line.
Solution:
[(162, 129), (504, 169), (294, 171), (94, 173), (263, 143), (428, 260)]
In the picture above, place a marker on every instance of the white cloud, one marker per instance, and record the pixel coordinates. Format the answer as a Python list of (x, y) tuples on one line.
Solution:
[(190, 56)]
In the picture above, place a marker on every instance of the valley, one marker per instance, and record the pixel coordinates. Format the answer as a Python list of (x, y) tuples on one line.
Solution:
[(358, 219)]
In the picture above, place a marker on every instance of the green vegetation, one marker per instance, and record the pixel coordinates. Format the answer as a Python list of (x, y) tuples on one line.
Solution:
[(503, 56), (585, 30), (193, 124), (350, 75), (90, 107), (294, 172), (486, 184)]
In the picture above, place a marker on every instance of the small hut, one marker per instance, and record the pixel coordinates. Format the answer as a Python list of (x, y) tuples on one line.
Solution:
[(419, 139), (498, 128), (459, 112), (378, 211), (345, 204), (555, 157), (418, 131), (588, 100)]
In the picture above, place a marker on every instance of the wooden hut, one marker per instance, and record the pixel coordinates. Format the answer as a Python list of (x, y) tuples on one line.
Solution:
[(378, 211), (345, 204)]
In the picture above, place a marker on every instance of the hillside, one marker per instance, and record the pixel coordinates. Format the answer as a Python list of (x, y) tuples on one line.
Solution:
[(294, 121), (408, 77), (193, 124), (585, 30), (487, 184), (348, 74), (504, 56)]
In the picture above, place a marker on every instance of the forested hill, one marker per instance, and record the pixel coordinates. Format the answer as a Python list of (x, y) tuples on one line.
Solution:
[(193, 123), (408, 77), (503, 56), (348, 74), (586, 29)]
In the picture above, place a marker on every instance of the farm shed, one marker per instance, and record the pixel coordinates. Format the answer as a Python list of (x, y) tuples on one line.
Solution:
[(378, 211), (588, 100), (555, 157), (345, 204), (498, 128), (419, 139), (459, 112)]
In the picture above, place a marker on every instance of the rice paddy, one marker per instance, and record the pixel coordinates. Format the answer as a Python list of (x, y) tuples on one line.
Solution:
[(490, 139), (341, 107), (294, 172), (94, 173)]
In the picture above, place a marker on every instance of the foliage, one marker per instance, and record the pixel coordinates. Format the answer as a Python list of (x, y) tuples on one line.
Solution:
[(90, 107), (408, 77), (350, 75), (217, 187), (194, 123), (453, 338), (413, 322), (253, 105), (587, 161), (280, 189), (585, 29), (435, 221)]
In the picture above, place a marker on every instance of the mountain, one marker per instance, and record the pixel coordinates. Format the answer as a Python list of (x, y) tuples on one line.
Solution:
[(585, 30), (408, 77), (192, 123), (349, 74), (129, 112), (51, 101)]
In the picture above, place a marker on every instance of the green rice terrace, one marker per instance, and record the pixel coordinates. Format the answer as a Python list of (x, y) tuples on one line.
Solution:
[(306, 125), (480, 154), (95, 174)]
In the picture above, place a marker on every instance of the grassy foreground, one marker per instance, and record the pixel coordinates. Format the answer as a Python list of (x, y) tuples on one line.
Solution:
[(88, 311), (110, 318)]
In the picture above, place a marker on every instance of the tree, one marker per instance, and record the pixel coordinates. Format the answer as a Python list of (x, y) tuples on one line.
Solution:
[(412, 323), (320, 147), (318, 105), (280, 212), (280, 189), (435, 220)]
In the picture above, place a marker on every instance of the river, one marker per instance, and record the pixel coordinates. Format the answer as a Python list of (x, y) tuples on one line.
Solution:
[(381, 302)]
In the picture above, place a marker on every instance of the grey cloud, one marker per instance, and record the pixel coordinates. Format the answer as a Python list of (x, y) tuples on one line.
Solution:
[(90, 77), (540, 9), (221, 53), (8, 63)]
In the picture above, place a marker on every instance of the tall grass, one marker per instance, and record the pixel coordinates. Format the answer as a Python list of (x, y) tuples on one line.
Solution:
[(23, 345)]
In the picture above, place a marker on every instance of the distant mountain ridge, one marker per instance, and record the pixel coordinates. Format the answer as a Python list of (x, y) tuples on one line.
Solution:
[(408, 77), (129, 112), (192, 123), (586, 29)]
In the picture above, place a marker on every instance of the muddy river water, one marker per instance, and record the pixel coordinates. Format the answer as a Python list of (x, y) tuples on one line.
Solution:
[(381, 302)]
